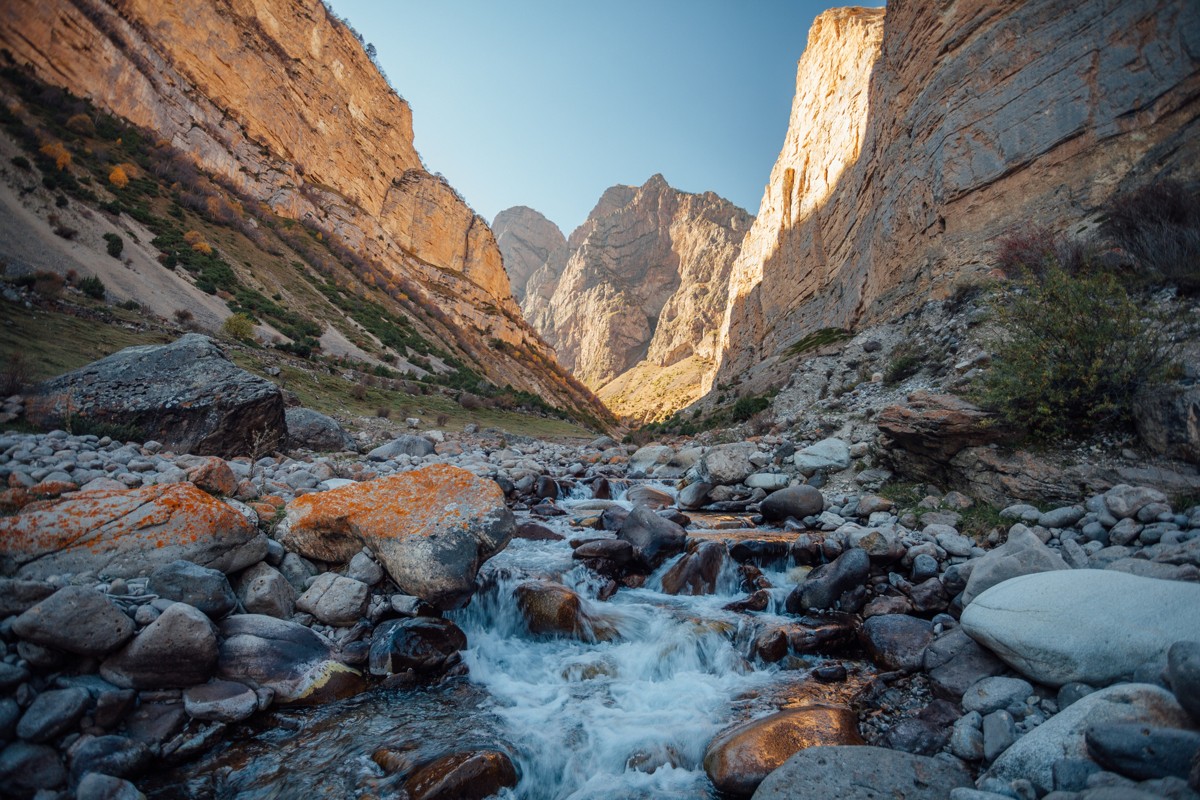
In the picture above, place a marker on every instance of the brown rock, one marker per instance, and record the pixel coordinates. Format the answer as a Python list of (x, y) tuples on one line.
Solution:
[(738, 759), (469, 775), (429, 528), (128, 533), (937, 426), (697, 571), (213, 475), (551, 609)]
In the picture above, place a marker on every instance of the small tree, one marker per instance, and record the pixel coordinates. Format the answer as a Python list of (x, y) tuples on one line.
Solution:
[(115, 244), (93, 287), (56, 151), (118, 178), (239, 326)]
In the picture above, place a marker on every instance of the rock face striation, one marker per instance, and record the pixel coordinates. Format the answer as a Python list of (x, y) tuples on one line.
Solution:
[(634, 310), (279, 99), (919, 136), (530, 244)]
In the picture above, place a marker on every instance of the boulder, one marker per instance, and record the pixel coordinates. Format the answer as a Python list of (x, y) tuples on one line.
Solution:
[(824, 585), (1093, 626), (75, 619), (316, 431), (642, 495), (862, 773), (1022, 554), (210, 473), (794, 501), (17, 596), (220, 701), (263, 589), (169, 393), (118, 756), (937, 426), (1183, 675), (1124, 501), (727, 464), (200, 587), (954, 662), (335, 600), (426, 645), (995, 693), (654, 538), (697, 572), (1142, 752), (468, 775), (896, 641), (1032, 757), (53, 713), (26, 768), (694, 495), (290, 659), (431, 529), (739, 758), (827, 455), (1168, 420), (96, 786), (646, 461), (406, 445), (128, 533), (177, 650), (551, 609)]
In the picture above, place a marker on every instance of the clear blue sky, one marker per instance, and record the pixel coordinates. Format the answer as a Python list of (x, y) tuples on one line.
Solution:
[(546, 103)]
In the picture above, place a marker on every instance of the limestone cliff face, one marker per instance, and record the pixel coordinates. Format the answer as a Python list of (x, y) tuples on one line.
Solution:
[(643, 288), (920, 136), (528, 241), (279, 99)]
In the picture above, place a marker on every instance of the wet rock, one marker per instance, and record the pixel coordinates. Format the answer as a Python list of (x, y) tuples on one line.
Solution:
[(1062, 736), (77, 620), (551, 609), (406, 445), (426, 645), (643, 495), (654, 539), (794, 501), (697, 572), (1183, 674), (1022, 554), (165, 391), (335, 600), (1143, 752), (469, 775), (897, 641), (825, 584), (316, 431), (263, 589), (1094, 626), (618, 551), (52, 714), (611, 519), (290, 659), (17, 596), (536, 532), (694, 495), (220, 701), (862, 773), (738, 759), (128, 533), (828, 455), (824, 633), (95, 786), (26, 768), (887, 604), (178, 649), (546, 488), (119, 756), (955, 661), (431, 529), (199, 587)]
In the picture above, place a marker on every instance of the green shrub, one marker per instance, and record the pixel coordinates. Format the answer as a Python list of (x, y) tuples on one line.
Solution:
[(115, 244), (747, 407), (908, 358), (239, 326), (1073, 351), (93, 287), (21, 162)]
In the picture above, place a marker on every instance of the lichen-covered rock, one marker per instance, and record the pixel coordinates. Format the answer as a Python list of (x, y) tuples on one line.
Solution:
[(186, 394), (431, 529), (128, 533)]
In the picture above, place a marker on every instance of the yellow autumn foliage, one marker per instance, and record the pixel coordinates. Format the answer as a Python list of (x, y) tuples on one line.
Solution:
[(118, 178), (55, 150)]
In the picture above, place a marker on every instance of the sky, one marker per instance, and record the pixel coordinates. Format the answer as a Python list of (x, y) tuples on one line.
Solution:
[(546, 103)]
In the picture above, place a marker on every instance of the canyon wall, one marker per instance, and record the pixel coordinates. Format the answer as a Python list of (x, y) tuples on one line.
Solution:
[(530, 243), (919, 137), (278, 98), (640, 295)]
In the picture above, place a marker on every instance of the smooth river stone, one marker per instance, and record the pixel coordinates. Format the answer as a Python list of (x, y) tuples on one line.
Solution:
[(1091, 626)]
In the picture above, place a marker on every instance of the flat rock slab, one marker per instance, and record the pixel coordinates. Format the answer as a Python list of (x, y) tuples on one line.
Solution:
[(1063, 735), (862, 773), (128, 533), (185, 394), (1091, 626), (431, 529)]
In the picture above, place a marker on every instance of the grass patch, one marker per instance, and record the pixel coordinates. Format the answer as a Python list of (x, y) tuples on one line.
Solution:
[(816, 339)]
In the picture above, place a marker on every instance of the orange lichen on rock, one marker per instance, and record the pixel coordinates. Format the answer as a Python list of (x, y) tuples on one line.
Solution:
[(52, 488), (110, 532)]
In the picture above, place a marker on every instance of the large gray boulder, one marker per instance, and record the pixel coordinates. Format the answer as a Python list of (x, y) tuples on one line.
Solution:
[(1063, 736), (201, 587), (1022, 554), (186, 394), (177, 650), (827, 455), (316, 431), (654, 538), (794, 501), (862, 773), (727, 464), (1092, 626), (406, 445), (75, 619)]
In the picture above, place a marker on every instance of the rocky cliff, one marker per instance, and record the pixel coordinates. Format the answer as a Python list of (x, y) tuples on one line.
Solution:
[(530, 243), (920, 136), (640, 295), (278, 98)]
